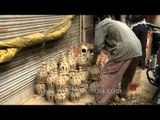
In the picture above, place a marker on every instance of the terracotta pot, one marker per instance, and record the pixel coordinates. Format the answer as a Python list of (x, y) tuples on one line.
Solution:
[(60, 98), (64, 90), (53, 63), (76, 51), (83, 79), (86, 86), (51, 80), (49, 67), (64, 67), (95, 72), (83, 92), (62, 57), (50, 95), (70, 53), (84, 49), (73, 89), (62, 75), (74, 96), (83, 75), (55, 72), (71, 74), (75, 82), (40, 89), (87, 53), (67, 91), (93, 87), (86, 74), (72, 63), (46, 65), (61, 83), (41, 75), (82, 61)]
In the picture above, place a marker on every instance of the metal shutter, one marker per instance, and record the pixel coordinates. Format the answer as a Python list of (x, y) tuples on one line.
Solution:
[(18, 74), (89, 29), (88, 21)]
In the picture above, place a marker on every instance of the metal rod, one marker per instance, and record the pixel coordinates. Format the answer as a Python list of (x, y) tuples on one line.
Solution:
[(152, 25)]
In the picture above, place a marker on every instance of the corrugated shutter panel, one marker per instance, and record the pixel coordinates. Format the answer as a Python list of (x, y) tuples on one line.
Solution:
[(88, 21), (89, 30), (18, 74), (16, 26)]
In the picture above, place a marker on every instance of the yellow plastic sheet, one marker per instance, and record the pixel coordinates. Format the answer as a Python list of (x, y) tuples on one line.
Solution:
[(9, 48)]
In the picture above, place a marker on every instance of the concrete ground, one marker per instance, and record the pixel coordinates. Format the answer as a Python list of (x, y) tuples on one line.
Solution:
[(141, 96)]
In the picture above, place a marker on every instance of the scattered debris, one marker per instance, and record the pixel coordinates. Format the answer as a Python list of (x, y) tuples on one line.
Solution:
[(133, 99)]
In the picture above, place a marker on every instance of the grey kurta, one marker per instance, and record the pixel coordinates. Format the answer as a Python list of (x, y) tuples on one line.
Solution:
[(118, 39)]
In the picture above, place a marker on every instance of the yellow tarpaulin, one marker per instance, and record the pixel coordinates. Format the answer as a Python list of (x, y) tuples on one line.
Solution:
[(9, 48)]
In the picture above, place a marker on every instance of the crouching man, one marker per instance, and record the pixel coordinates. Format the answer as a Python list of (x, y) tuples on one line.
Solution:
[(124, 50)]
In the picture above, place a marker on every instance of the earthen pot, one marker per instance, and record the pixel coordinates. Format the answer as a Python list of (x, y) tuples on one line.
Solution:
[(74, 89), (75, 82), (61, 83), (51, 80), (93, 87), (64, 67), (95, 72), (70, 53), (82, 78), (72, 63), (50, 95), (72, 60), (62, 57), (60, 98), (82, 61), (82, 75), (71, 74), (41, 75), (86, 86), (87, 53), (74, 96), (67, 91), (53, 63), (83, 49), (64, 76), (83, 92), (40, 89), (55, 73), (49, 68)]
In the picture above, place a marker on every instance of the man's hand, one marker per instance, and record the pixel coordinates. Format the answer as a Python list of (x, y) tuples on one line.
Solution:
[(94, 60), (90, 46)]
